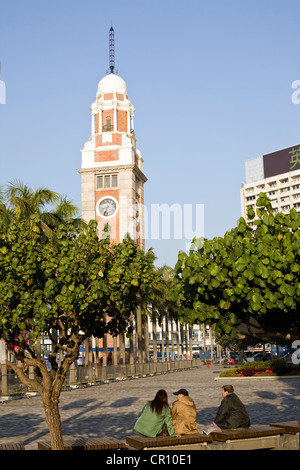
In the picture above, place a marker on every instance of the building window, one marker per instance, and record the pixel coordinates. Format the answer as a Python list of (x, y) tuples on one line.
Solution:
[(99, 182), (114, 181), (107, 181), (107, 126)]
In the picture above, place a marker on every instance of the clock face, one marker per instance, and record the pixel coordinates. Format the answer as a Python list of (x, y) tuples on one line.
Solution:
[(107, 207)]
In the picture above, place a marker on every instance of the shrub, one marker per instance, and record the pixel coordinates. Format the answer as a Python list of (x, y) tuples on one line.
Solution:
[(265, 368), (229, 373), (264, 364)]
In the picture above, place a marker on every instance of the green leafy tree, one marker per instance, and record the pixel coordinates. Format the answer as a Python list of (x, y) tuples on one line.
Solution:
[(71, 289), (249, 279)]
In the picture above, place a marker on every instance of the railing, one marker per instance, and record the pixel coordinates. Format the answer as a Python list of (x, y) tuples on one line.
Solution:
[(107, 128), (94, 373)]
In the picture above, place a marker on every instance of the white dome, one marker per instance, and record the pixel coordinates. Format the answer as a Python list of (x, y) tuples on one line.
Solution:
[(112, 83)]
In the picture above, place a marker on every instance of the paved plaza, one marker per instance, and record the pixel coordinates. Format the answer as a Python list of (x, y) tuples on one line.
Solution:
[(112, 409)]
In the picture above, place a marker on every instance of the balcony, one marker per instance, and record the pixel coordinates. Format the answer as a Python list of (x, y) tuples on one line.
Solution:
[(107, 128)]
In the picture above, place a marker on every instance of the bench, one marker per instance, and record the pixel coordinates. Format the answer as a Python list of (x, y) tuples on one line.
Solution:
[(188, 441), (12, 446), (256, 437), (82, 443), (290, 427)]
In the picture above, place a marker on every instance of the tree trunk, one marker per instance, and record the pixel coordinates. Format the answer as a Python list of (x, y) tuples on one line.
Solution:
[(139, 334), (212, 351), (167, 337), (131, 340), (178, 340), (182, 341), (104, 352), (115, 351), (162, 340), (186, 340), (204, 343), (154, 329), (172, 341), (147, 344), (122, 358), (53, 421), (190, 329)]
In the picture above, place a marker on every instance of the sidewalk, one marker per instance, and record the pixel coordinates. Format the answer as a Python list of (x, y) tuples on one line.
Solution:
[(112, 409)]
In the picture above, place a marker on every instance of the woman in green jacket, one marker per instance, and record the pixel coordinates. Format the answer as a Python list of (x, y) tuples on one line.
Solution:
[(154, 416)]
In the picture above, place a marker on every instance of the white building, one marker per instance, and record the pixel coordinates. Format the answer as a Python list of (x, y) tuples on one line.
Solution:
[(276, 174), (201, 338)]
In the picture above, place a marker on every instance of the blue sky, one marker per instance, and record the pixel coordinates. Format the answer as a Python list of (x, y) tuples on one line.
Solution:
[(211, 82)]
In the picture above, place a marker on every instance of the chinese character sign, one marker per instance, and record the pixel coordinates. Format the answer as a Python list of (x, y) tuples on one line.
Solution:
[(282, 161), (295, 157)]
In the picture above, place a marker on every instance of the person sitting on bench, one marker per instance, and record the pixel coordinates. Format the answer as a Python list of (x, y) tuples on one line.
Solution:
[(231, 414), (184, 413), (155, 419)]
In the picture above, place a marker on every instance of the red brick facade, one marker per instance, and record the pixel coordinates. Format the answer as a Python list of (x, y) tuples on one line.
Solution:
[(106, 155)]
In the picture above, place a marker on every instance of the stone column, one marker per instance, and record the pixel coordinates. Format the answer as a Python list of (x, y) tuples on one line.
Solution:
[(115, 117)]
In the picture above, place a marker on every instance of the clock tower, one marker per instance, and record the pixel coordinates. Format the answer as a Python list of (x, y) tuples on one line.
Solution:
[(112, 178)]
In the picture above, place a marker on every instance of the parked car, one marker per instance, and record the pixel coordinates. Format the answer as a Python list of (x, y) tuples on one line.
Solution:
[(248, 356), (288, 356), (261, 356)]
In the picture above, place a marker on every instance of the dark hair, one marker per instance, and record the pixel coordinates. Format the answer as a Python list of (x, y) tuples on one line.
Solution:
[(228, 388), (160, 400)]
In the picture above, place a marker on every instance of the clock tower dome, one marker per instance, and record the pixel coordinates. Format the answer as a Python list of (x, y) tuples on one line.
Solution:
[(112, 178)]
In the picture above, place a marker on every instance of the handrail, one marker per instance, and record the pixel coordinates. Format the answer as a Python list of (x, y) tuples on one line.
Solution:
[(107, 128), (95, 372)]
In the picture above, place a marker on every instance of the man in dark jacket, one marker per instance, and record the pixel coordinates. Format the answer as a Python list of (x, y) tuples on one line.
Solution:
[(232, 413)]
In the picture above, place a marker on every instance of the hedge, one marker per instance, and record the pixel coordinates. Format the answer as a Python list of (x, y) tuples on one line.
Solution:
[(259, 368)]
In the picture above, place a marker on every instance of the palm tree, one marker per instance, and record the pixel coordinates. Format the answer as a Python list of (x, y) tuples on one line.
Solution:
[(53, 209), (64, 210), (5, 213), (25, 202), (164, 305)]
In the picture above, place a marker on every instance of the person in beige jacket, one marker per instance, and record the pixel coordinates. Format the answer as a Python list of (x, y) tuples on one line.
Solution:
[(184, 413)]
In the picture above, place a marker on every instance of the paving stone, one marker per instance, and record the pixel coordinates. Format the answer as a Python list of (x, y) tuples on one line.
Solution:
[(112, 409)]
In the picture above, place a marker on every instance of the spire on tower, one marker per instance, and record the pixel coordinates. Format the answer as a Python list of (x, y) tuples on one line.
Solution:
[(112, 51)]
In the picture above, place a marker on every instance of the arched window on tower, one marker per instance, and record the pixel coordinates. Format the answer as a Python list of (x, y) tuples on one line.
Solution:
[(107, 126)]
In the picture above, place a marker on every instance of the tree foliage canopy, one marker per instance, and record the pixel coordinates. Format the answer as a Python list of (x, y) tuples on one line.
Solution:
[(248, 279), (70, 285)]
